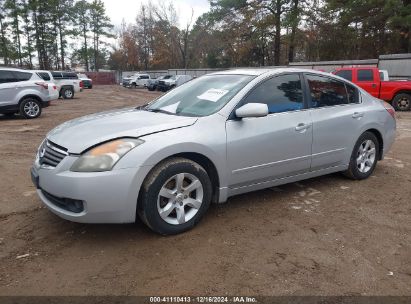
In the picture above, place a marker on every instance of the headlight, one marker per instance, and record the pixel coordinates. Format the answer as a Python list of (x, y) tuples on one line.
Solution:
[(105, 156)]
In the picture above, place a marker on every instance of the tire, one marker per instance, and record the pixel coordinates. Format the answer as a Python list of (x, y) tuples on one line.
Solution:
[(402, 102), (363, 160), (30, 108), (67, 93), (182, 209), (133, 85)]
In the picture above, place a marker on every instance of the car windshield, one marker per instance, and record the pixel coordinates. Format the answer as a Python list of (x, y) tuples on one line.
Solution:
[(200, 97)]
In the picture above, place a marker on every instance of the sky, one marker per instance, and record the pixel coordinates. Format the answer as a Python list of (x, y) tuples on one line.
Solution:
[(118, 10)]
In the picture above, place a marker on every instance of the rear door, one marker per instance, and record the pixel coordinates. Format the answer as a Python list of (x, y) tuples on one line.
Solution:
[(7, 87), (366, 79), (336, 114)]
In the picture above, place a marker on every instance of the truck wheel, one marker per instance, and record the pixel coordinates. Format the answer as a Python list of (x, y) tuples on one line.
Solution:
[(175, 196), (30, 108), (402, 102), (67, 93), (133, 85)]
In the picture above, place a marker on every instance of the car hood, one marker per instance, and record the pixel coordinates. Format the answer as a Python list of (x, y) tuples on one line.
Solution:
[(82, 133)]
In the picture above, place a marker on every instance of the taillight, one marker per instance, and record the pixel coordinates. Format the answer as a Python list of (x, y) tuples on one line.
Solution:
[(389, 108), (44, 85), (81, 84), (54, 87)]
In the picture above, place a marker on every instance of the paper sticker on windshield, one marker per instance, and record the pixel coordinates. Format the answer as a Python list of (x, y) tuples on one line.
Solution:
[(171, 108), (213, 94)]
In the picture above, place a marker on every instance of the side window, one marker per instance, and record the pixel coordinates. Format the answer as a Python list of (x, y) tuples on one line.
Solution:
[(326, 91), (56, 75), (346, 74), (7, 76), (365, 75), (45, 76), (353, 94), (21, 76), (282, 93)]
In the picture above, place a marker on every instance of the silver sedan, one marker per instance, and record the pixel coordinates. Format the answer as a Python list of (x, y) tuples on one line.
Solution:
[(217, 136)]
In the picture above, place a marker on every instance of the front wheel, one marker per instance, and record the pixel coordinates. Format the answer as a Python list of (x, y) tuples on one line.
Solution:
[(364, 157), (175, 196), (402, 102)]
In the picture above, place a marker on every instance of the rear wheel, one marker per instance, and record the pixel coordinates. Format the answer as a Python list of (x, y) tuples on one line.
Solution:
[(364, 157), (30, 108), (176, 195), (67, 93), (402, 102)]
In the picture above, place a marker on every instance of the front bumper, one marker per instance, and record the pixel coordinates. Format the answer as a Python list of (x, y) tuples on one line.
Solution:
[(95, 197)]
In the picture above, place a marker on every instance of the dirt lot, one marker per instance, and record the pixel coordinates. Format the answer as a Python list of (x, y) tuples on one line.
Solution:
[(324, 236)]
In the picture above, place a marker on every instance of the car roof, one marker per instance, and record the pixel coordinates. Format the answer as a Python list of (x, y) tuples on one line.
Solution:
[(261, 71)]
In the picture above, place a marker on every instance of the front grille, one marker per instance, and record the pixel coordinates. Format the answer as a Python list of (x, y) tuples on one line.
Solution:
[(50, 154), (75, 206)]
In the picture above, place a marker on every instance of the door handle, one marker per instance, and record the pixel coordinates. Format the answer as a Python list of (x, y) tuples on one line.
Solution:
[(373, 85), (302, 127), (357, 115)]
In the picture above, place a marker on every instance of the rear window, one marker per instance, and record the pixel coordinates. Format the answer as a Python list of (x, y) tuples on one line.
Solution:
[(365, 75), (56, 75), (353, 94), (7, 76), (69, 75), (144, 77), (64, 75), (45, 76), (346, 74)]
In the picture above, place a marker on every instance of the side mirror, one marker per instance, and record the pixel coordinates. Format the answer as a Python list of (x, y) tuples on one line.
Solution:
[(252, 110)]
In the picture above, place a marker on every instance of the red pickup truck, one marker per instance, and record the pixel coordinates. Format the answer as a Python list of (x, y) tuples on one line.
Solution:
[(398, 93)]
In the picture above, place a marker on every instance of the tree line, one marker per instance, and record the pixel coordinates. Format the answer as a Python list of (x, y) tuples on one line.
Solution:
[(62, 34), (54, 34), (263, 33)]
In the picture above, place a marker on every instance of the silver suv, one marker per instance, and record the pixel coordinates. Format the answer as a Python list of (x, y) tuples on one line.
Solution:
[(24, 92)]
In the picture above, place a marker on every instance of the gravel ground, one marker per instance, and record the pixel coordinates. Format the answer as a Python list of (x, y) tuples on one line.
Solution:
[(323, 236)]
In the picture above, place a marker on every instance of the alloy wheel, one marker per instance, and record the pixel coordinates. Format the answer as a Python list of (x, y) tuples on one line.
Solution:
[(31, 109), (403, 103), (180, 198), (68, 93), (366, 156)]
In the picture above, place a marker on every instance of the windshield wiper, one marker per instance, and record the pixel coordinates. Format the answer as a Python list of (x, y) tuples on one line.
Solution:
[(159, 111)]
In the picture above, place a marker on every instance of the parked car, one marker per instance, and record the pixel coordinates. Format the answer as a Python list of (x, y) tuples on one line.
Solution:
[(24, 92), (67, 83), (87, 82), (136, 80), (398, 93), (153, 83), (217, 136), (172, 82)]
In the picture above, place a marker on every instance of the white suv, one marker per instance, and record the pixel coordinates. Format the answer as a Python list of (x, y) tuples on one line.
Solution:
[(24, 92)]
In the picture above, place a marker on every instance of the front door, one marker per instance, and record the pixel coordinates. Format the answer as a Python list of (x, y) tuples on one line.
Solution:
[(278, 145)]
